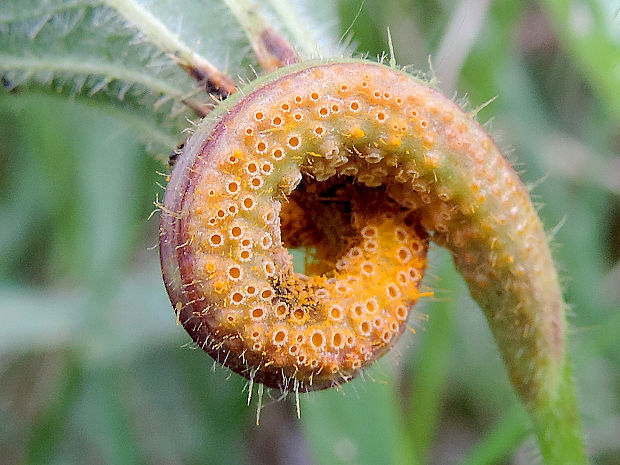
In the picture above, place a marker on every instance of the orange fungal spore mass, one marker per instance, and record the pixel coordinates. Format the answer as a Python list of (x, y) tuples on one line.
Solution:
[(355, 162)]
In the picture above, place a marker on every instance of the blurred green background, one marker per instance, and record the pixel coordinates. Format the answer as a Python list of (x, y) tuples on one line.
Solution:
[(94, 370)]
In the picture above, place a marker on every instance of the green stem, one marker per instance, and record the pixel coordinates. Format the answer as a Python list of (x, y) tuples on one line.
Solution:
[(157, 33), (154, 30), (271, 50), (557, 425), (71, 66)]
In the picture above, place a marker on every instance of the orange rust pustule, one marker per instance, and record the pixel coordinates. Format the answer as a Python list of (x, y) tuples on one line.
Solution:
[(384, 257), (375, 280)]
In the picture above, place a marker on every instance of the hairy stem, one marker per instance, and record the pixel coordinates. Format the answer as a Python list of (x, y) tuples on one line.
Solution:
[(557, 425), (269, 47), (156, 32), (342, 143), (109, 71)]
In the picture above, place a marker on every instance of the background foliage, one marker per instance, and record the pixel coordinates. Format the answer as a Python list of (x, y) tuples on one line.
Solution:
[(92, 366)]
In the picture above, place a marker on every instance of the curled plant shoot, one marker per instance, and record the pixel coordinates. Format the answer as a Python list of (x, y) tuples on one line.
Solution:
[(363, 165)]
